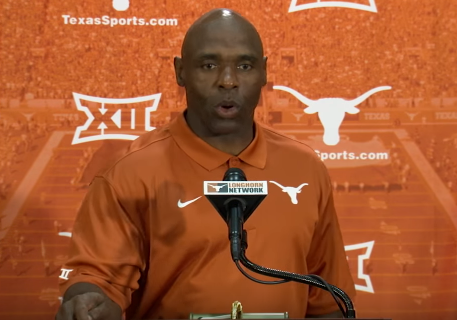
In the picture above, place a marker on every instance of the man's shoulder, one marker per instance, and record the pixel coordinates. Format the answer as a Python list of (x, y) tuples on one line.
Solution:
[(150, 141), (295, 158), (277, 138), (141, 155)]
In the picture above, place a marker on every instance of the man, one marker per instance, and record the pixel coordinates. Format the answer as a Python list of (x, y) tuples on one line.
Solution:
[(148, 244)]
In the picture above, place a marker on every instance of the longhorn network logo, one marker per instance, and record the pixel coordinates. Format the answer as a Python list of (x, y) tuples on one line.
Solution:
[(111, 131), (331, 111), (370, 5), (234, 188)]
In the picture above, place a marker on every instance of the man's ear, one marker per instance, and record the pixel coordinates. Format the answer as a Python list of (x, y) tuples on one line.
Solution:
[(179, 70), (265, 70)]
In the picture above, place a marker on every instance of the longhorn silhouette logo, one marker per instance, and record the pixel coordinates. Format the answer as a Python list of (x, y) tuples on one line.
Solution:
[(411, 115), (297, 115), (291, 191), (331, 111), (217, 187)]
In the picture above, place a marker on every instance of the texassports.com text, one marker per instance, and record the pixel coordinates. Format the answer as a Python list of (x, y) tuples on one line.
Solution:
[(352, 155), (112, 22)]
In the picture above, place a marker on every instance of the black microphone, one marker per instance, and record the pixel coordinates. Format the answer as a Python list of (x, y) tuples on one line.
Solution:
[(235, 200)]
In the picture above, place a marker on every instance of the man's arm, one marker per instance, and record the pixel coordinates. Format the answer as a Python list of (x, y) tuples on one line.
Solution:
[(107, 248), (327, 256)]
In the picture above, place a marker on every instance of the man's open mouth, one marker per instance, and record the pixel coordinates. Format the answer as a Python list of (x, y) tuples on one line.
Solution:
[(227, 109)]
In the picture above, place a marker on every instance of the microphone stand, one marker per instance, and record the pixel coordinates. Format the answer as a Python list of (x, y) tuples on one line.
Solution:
[(311, 280), (235, 208)]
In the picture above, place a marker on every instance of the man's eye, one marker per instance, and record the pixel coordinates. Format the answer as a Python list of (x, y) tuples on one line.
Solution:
[(245, 67), (209, 66)]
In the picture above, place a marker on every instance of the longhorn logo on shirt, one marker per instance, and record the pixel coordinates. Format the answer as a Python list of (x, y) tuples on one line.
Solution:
[(331, 111), (291, 191), (117, 109), (369, 6)]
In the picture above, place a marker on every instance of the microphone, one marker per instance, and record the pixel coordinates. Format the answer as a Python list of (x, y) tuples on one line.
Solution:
[(235, 199)]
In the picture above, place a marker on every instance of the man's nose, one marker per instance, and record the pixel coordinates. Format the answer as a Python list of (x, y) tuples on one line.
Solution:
[(228, 78)]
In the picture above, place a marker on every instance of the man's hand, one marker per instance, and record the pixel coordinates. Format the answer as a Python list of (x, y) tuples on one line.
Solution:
[(88, 306)]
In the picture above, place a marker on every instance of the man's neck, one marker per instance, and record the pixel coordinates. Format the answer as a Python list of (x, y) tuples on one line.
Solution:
[(233, 143)]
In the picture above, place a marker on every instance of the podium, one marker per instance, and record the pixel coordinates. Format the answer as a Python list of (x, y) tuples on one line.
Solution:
[(237, 313), (258, 316)]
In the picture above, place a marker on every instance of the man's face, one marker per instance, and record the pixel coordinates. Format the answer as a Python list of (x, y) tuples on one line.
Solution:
[(223, 72)]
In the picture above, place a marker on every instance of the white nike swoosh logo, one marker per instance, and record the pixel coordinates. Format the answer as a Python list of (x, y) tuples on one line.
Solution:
[(185, 204)]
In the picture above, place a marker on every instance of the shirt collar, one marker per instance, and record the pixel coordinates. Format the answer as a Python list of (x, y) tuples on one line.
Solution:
[(211, 158)]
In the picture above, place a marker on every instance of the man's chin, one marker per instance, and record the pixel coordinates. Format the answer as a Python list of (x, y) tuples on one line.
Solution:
[(227, 127)]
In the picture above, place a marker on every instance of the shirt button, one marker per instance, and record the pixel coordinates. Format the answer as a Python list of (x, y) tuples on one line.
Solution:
[(234, 162)]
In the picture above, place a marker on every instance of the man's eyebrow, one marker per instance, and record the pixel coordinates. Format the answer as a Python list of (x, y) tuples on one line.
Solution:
[(207, 56), (213, 56), (248, 57)]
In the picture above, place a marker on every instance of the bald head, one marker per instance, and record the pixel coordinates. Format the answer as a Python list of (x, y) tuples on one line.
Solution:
[(223, 70), (215, 20)]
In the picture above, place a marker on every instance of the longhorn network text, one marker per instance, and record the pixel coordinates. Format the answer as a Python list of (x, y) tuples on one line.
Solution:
[(112, 22)]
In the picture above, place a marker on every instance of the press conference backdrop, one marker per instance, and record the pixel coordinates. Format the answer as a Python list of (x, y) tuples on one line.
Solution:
[(369, 84)]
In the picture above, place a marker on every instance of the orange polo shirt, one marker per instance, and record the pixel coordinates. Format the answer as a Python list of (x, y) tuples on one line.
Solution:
[(149, 238)]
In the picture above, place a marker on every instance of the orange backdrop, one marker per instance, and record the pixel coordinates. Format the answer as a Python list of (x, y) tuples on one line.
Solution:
[(79, 79)]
